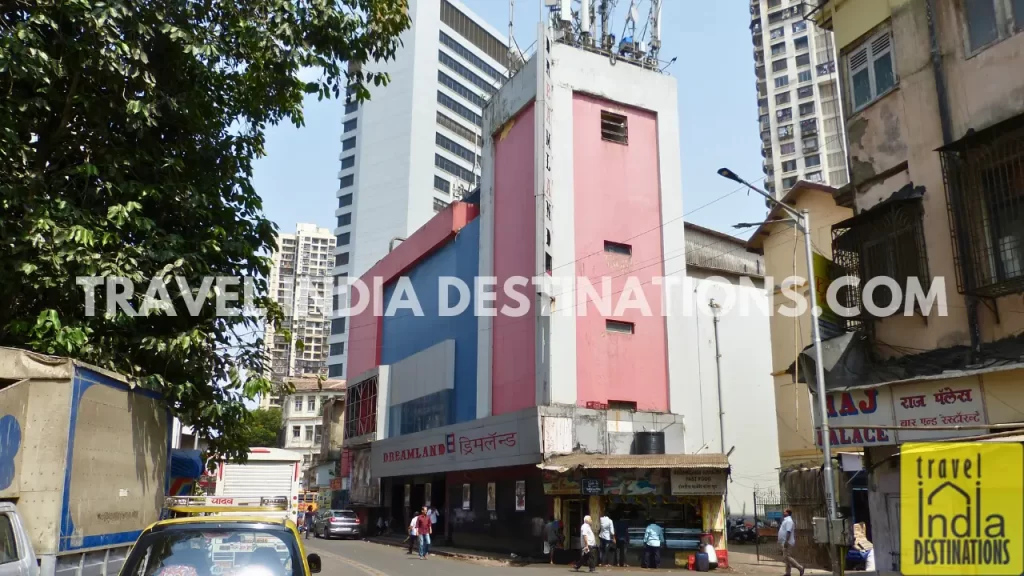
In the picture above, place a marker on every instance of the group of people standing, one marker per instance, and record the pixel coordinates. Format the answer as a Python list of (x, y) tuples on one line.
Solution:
[(420, 528), (610, 545)]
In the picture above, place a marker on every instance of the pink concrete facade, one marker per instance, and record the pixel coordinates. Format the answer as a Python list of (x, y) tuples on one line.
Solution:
[(616, 195), (365, 328), (514, 357)]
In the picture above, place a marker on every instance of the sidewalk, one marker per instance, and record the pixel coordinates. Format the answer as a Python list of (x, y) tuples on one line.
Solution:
[(452, 552)]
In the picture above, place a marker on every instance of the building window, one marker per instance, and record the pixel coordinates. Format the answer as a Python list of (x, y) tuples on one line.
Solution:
[(782, 98), (343, 239), (337, 349), (780, 65), (341, 259), (774, 4), (785, 132), (473, 32), (871, 69), (778, 49), (309, 437), (884, 241), (614, 127), (617, 248), (787, 148), (810, 144), (782, 81), (777, 33), (466, 134), (450, 103), (800, 43), (298, 404), (297, 430), (806, 109), (799, 26), (473, 59), (349, 125), (810, 126), (311, 403), (815, 177), (788, 183), (454, 169), (805, 92), (803, 60), (619, 327), (789, 166), (804, 76), (439, 205), (784, 114), (454, 85), (984, 176), (455, 148), (336, 371), (455, 66), (812, 161), (351, 107), (442, 185), (345, 219), (348, 143), (346, 181), (317, 434), (348, 162), (338, 326)]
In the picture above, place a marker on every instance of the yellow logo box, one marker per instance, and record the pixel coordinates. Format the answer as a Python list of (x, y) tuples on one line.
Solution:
[(962, 509)]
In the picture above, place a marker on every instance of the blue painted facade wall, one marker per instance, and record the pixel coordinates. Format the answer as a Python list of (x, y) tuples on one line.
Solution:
[(405, 334)]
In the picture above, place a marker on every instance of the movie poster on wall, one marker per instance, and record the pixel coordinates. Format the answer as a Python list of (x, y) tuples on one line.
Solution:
[(520, 495), (408, 495), (426, 494), (465, 496), (492, 496)]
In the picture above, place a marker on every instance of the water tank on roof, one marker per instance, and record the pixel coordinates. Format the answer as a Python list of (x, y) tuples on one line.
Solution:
[(650, 442)]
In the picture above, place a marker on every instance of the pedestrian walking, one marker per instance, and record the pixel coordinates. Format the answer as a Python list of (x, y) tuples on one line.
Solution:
[(787, 539), (621, 540), (435, 517), (653, 538), (588, 547), (423, 532), (308, 520), (606, 533), (413, 540), (551, 537)]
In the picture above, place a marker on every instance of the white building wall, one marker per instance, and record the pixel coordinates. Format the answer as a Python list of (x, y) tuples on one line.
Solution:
[(307, 420), (747, 388)]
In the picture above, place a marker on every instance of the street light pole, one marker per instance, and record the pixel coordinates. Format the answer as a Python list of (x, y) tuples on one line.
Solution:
[(803, 223)]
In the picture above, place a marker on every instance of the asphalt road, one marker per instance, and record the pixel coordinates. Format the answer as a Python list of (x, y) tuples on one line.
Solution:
[(359, 558)]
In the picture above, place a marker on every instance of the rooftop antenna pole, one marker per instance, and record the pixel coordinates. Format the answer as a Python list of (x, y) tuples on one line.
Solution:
[(655, 29), (604, 22), (585, 22)]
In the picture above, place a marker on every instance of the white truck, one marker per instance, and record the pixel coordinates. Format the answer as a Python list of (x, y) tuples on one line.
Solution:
[(269, 472), (83, 465)]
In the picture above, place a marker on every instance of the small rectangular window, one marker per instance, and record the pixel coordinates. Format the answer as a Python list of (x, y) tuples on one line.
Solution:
[(614, 128), (787, 148), (788, 183), (789, 166), (351, 107), (622, 405), (348, 143), (778, 49), (780, 65), (548, 263), (337, 327), (337, 349), (982, 23), (345, 219), (346, 181), (442, 185), (800, 43), (782, 81), (812, 161), (617, 248), (350, 125), (782, 98), (799, 26), (341, 259), (343, 239), (871, 70), (805, 92), (298, 404), (348, 162), (803, 60), (619, 327), (336, 371), (807, 109), (804, 76), (439, 205), (344, 200), (297, 430), (309, 438)]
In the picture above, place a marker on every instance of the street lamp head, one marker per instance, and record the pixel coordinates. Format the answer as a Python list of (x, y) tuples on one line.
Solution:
[(726, 173)]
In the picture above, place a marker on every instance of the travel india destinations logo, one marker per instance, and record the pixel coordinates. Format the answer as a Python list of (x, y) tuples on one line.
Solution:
[(962, 509)]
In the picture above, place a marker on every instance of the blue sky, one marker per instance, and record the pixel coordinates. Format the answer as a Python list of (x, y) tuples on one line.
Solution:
[(717, 116)]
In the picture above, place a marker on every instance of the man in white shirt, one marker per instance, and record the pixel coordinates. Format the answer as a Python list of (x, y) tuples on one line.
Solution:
[(413, 536), (588, 543), (787, 539), (606, 534)]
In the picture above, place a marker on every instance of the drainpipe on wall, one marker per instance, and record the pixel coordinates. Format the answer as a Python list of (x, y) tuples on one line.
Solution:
[(945, 119), (715, 309)]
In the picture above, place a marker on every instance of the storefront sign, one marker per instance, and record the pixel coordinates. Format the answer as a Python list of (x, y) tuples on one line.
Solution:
[(556, 484), (635, 482), (941, 403), (689, 483), (506, 442), (852, 413), (591, 487), (335, 483)]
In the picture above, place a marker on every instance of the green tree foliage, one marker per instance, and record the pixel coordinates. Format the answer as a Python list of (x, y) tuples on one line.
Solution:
[(128, 132), (262, 427)]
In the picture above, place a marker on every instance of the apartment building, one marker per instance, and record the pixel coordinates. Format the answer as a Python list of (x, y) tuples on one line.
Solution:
[(416, 144), (934, 101), (302, 415), (299, 283), (799, 112)]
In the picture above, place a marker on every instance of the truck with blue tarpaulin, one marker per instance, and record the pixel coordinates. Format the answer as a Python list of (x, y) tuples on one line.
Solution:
[(83, 460)]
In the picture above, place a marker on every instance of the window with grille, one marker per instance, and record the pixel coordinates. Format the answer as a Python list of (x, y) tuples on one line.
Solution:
[(361, 409), (885, 241), (984, 176), (614, 128), (872, 70)]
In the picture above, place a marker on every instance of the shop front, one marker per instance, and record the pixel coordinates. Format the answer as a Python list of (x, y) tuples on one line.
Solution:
[(684, 494)]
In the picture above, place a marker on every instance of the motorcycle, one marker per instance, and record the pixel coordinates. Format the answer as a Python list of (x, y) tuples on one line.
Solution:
[(740, 533)]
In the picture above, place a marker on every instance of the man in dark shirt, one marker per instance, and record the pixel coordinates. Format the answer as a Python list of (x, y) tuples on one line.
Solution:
[(423, 528), (621, 540)]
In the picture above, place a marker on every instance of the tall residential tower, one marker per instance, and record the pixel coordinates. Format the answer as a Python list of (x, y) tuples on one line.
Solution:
[(798, 101), (416, 145)]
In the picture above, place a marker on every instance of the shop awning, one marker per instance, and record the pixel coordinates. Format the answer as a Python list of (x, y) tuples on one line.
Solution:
[(568, 462)]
